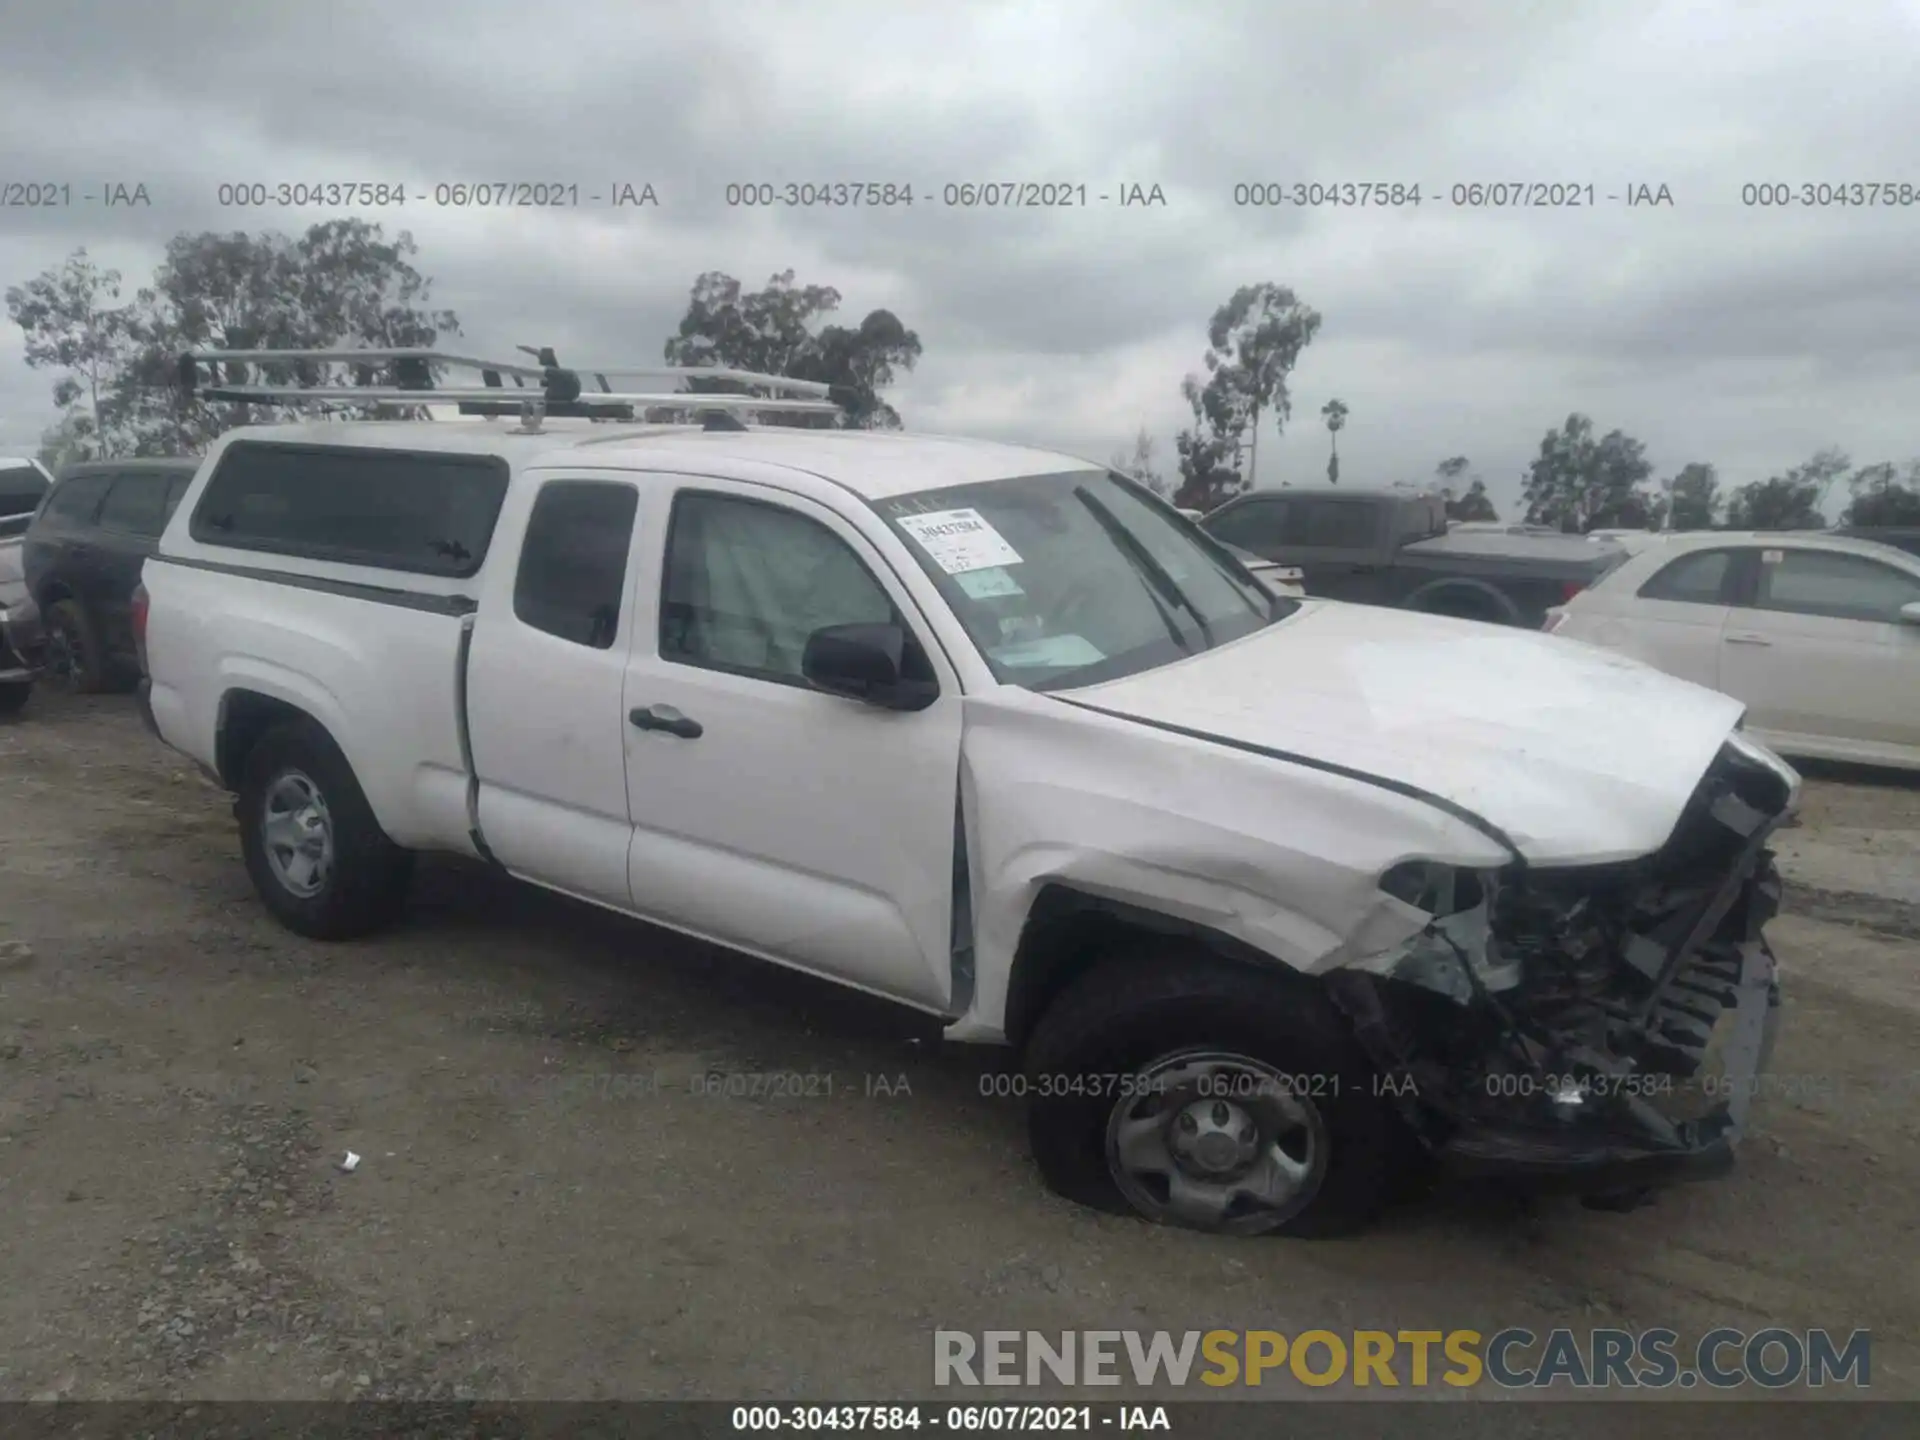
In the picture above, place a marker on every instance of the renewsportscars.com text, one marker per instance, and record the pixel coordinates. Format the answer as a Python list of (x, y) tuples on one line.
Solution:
[(1513, 1359)]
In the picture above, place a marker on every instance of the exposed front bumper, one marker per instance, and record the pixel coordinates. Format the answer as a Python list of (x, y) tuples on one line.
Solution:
[(1644, 1148), (1608, 1032)]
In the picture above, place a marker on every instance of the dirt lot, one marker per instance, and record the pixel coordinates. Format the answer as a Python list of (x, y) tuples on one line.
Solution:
[(546, 1209)]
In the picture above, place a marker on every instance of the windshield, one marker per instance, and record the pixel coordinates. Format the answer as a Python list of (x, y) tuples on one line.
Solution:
[(1066, 580)]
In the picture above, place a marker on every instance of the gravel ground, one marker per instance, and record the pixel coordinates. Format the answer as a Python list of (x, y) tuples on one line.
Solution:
[(546, 1209)]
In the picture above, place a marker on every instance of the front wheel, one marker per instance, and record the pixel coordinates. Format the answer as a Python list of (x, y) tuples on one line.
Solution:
[(1200, 1093), (13, 696), (314, 849)]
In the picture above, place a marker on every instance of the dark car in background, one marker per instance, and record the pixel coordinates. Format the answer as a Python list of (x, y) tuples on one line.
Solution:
[(1382, 547), (82, 558)]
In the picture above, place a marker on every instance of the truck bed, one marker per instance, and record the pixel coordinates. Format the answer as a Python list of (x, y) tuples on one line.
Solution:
[(361, 659), (1570, 557)]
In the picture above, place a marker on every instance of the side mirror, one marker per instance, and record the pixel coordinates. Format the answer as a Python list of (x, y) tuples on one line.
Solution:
[(879, 664), (1910, 612)]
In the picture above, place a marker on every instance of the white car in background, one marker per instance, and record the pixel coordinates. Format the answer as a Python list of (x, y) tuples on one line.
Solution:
[(1819, 635)]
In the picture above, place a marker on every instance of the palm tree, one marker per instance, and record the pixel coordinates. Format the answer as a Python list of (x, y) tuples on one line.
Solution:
[(1334, 412)]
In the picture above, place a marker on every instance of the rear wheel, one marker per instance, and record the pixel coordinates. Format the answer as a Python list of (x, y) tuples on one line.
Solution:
[(74, 657), (1194, 1092), (14, 695), (313, 847)]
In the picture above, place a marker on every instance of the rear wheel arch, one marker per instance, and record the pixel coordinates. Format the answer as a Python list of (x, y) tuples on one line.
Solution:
[(245, 716), (1466, 600), (1069, 932)]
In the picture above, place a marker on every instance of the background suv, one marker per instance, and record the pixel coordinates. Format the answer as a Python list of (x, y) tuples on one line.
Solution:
[(82, 558)]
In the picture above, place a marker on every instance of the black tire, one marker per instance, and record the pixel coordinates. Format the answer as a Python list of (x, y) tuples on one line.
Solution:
[(1120, 1016), (74, 656), (365, 887), (13, 696)]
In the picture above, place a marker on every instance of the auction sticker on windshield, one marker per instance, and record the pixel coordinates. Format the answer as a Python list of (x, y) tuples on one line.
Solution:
[(959, 541), (988, 584)]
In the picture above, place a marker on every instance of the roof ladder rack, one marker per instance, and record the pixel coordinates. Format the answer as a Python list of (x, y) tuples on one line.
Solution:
[(558, 390)]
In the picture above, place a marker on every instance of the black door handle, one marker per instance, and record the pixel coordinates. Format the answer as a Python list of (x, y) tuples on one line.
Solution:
[(652, 718)]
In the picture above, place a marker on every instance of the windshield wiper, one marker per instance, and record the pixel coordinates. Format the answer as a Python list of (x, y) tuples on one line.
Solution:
[(1150, 569), (1155, 597)]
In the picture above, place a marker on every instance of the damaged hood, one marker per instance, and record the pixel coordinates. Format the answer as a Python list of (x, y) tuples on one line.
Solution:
[(1578, 755)]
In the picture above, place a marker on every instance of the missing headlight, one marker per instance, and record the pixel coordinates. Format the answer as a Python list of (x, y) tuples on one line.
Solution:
[(1436, 888)]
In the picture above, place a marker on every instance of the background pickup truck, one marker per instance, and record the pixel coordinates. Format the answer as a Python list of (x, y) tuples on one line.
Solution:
[(1385, 548)]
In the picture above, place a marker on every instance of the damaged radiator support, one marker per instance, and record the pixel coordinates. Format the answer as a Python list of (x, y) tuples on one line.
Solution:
[(1603, 1025)]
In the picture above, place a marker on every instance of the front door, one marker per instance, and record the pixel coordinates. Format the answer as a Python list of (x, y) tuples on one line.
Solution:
[(1820, 652), (807, 828), (131, 518), (1675, 621)]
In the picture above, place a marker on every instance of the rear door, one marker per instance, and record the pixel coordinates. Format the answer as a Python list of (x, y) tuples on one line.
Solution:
[(1818, 650), (132, 515), (545, 672), (54, 546), (810, 829)]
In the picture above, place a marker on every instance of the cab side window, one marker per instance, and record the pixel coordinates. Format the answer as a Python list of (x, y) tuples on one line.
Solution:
[(572, 579), (747, 582)]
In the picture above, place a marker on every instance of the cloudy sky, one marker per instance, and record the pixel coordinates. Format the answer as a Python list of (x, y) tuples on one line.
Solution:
[(1746, 337)]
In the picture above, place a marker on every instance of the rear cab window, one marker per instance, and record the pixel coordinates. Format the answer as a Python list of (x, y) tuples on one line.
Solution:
[(426, 513)]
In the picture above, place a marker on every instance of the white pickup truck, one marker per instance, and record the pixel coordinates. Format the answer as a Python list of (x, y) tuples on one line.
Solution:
[(1274, 894)]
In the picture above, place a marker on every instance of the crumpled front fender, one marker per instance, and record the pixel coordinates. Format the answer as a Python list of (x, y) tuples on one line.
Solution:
[(1280, 858)]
